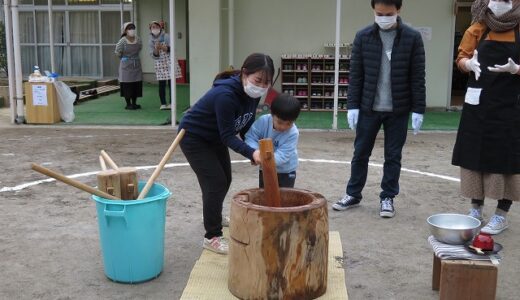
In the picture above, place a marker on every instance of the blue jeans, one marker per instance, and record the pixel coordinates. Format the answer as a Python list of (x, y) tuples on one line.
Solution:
[(395, 129)]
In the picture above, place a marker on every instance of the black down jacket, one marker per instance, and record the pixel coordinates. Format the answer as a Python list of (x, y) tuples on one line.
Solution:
[(407, 70)]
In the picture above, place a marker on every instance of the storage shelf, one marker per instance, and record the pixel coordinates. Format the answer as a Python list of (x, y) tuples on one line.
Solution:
[(309, 102)]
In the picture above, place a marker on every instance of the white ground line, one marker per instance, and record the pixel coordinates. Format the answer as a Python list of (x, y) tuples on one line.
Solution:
[(173, 165)]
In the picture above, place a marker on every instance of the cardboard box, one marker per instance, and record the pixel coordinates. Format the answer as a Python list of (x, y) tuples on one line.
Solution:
[(41, 106)]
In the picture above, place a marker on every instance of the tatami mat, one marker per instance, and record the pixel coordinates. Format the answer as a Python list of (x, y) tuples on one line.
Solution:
[(208, 279)]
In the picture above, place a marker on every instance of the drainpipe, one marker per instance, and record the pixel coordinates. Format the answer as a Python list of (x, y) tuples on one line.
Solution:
[(173, 79), (20, 118), (51, 36), (10, 59), (231, 31), (336, 65)]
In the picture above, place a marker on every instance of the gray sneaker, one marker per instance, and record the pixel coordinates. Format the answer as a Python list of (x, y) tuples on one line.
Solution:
[(496, 225), (387, 208), (346, 202)]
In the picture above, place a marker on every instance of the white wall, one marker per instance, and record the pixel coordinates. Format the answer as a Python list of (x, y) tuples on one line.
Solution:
[(204, 45), (276, 27)]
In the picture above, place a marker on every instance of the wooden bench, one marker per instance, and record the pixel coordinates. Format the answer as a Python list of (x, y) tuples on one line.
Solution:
[(464, 279), (99, 91)]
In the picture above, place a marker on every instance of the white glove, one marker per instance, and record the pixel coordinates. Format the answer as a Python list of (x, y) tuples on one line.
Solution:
[(352, 117), (510, 67), (473, 65), (417, 120)]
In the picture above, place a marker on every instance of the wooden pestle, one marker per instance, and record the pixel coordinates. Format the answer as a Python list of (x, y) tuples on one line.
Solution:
[(271, 188), (127, 185), (109, 181), (71, 182)]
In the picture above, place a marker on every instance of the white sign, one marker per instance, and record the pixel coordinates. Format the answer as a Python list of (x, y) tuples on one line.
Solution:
[(426, 33), (39, 95)]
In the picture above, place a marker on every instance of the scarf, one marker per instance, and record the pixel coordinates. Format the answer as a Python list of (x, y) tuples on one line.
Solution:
[(506, 22)]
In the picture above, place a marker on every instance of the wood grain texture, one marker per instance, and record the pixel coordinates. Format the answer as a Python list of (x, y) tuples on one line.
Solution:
[(278, 252), (128, 179), (109, 182), (272, 190), (461, 279)]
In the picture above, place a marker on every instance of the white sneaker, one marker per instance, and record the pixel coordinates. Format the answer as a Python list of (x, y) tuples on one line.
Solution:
[(496, 225), (163, 107), (168, 106), (476, 213), (217, 244)]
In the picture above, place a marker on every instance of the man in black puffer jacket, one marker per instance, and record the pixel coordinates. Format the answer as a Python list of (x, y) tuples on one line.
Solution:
[(387, 82)]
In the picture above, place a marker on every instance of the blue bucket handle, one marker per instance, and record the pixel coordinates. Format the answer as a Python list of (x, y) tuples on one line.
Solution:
[(115, 213)]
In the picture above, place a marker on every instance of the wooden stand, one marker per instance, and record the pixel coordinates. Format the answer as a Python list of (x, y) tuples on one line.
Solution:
[(109, 181), (278, 252), (464, 279), (129, 187), (43, 110)]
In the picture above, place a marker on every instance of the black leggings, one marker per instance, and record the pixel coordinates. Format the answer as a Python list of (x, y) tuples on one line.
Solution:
[(162, 90), (503, 204), (212, 165)]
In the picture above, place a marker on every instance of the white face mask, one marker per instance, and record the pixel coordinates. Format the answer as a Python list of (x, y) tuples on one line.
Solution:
[(156, 31), (499, 8), (131, 33), (386, 22), (254, 91)]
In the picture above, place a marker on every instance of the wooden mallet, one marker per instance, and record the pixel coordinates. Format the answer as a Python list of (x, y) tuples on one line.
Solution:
[(160, 167), (122, 181), (271, 188), (71, 182)]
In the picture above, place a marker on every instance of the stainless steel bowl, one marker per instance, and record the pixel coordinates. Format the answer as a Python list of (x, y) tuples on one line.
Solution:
[(455, 229)]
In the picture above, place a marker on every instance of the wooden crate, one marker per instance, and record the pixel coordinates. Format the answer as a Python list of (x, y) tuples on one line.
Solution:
[(44, 109), (464, 279)]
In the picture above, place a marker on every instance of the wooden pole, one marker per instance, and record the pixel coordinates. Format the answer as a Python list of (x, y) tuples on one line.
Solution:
[(109, 160), (102, 163), (159, 168), (271, 188), (71, 182)]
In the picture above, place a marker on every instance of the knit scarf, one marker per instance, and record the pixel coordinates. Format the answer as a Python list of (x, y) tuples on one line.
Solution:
[(506, 22)]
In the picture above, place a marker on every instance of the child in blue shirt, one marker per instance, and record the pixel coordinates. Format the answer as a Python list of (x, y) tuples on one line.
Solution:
[(280, 127)]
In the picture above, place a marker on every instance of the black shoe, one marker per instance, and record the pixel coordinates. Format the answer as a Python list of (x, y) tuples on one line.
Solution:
[(387, 208), (129, 107), (136, 106), (346, 202)]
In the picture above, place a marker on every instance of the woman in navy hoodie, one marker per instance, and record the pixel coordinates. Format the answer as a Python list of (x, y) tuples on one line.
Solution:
[(212, 125)]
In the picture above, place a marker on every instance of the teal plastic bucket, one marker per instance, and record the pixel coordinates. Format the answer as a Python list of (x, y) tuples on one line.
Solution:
[(132, 235)]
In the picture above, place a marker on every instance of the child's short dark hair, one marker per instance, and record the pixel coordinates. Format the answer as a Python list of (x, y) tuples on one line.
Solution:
[(285, 107), (396, 3)]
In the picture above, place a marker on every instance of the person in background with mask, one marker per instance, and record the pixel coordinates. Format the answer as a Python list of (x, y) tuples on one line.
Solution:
[(212, 125), (487, 148), (159, 46), (130, 73), (387, 82)]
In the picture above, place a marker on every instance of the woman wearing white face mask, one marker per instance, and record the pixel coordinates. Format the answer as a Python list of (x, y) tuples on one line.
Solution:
[(212, 125), (488, 141), (160, 51), (130, 73)]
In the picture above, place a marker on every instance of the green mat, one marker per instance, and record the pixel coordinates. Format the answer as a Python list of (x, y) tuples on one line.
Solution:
[(110, 109), (433, 120)]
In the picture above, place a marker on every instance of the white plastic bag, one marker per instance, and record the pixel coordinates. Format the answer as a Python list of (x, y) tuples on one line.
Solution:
[(66, 100)]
